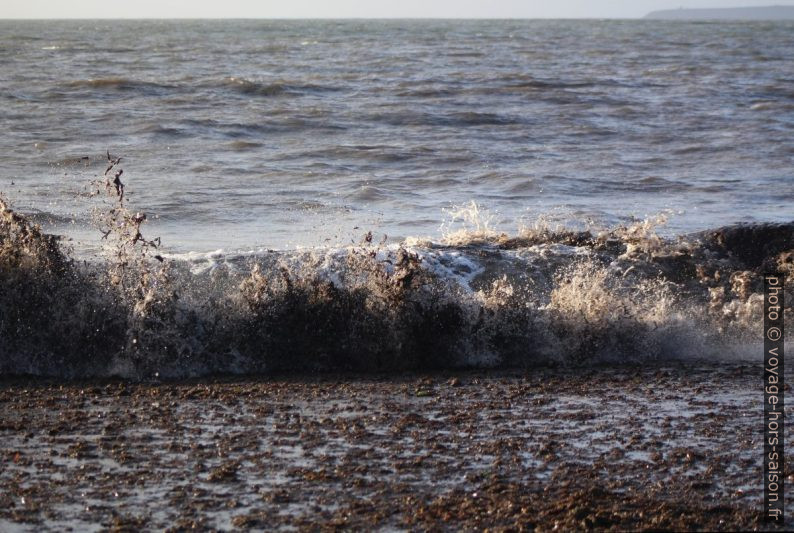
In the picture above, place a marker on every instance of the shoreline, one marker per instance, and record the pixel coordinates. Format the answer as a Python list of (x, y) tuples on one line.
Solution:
[(661, 446)]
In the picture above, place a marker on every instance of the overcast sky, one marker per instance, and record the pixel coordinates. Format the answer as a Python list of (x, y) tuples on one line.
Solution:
[(353, 8)]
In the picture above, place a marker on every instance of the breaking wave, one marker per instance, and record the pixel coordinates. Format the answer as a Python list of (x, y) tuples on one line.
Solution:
[(548, 295)]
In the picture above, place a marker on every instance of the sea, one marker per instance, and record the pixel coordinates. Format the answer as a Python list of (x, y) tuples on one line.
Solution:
[(247, 134), (388, 193)]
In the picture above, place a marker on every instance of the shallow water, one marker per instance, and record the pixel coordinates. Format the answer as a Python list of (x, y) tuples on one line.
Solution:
[(240, 135)]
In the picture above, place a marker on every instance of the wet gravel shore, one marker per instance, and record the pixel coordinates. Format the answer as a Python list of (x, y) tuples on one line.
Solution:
[(662, 447)]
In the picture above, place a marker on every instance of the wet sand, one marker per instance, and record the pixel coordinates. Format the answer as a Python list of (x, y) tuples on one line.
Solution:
[(662, 447)]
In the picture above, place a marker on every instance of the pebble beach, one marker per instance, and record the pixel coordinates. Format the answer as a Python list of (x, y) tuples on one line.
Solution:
[(654, 447)]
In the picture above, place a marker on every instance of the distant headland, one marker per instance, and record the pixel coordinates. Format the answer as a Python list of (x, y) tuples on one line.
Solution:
[(733, 13)]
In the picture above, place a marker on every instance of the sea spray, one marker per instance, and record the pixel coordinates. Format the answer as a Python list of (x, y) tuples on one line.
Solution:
[(467, 224)]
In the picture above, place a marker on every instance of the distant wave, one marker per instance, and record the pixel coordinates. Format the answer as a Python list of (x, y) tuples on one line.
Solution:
[(158, 129), (241, 146), (118, 84), (243, 130), (237, 85), (380, 153), (464, 118), (248, 87), (514, 84)]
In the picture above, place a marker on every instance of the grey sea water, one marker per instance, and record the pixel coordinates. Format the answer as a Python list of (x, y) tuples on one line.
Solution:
[(247, 134)]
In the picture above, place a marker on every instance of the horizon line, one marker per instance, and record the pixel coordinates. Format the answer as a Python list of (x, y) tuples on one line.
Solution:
[(643, 17), (322, 18)]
